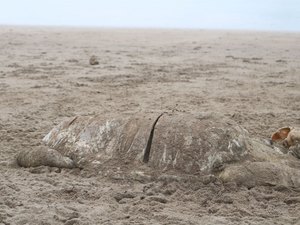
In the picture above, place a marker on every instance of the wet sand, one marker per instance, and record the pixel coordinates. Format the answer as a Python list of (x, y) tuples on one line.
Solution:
[(45, 77)]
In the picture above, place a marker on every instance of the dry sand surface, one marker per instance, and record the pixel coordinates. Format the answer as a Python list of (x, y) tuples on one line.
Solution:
[(45, 77)]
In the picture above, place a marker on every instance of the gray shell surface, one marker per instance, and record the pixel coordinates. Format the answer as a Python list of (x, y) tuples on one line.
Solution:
[(180, 141)]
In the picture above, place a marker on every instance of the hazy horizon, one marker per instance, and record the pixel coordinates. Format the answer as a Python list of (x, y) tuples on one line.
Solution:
[(277, 15)]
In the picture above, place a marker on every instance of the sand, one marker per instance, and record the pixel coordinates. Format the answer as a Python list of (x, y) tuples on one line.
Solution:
[(45, 78)]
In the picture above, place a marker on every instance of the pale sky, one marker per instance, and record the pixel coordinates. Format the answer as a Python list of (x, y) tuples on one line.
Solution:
[(282, 15)]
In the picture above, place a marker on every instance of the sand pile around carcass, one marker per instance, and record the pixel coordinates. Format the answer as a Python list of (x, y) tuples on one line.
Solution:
[(182, 142)]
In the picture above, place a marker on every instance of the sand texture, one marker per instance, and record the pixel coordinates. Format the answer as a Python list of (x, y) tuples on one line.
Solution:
[(46, 77)]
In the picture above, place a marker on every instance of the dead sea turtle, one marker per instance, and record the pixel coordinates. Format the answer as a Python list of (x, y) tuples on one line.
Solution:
[(188, 143)]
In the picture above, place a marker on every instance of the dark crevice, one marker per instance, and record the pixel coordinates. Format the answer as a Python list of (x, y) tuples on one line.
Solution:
[(72, 121), (149, 143)]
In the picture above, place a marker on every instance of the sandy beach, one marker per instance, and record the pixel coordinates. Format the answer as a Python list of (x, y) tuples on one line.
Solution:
[(250, 77)]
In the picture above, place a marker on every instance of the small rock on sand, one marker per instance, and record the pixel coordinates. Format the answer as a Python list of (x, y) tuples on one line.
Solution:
[(93, 60)]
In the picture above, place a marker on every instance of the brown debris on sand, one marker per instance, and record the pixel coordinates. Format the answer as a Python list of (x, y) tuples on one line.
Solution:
[(289, 136)]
